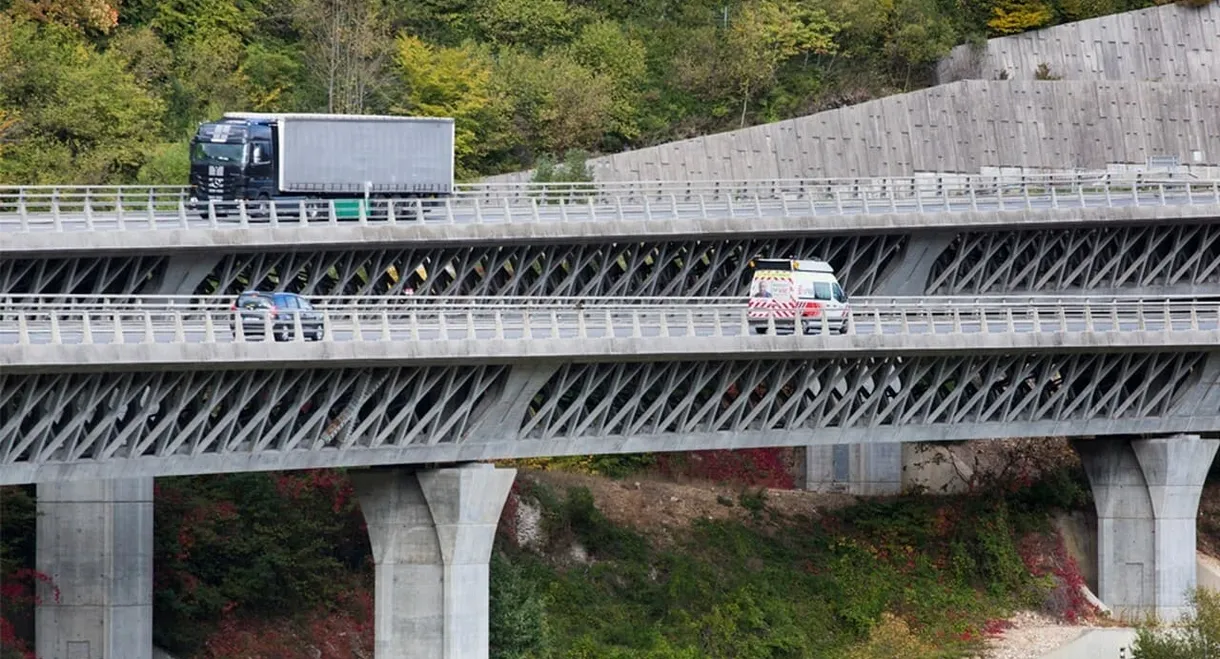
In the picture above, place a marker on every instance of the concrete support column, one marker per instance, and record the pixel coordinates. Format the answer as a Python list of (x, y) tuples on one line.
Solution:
[(1147, 497), (431, 533), (876, 469), (859, 469), (95, 542)]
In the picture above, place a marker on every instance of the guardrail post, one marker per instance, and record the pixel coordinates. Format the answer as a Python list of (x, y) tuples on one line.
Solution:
[(298, 329), (357, 330), (23, 329), (209, 327), (554, 324), (637, 332), (149, 332), (471, 330), (179, 326), (662, 323), (119, 337)]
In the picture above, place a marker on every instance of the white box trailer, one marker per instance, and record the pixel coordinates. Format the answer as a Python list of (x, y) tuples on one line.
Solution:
[(353, 155)]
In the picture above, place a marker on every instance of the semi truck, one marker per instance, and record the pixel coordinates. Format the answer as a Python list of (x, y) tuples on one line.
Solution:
[(323, 159)]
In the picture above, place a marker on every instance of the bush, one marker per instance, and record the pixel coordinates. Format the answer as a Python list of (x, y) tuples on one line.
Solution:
[(1199, 635)]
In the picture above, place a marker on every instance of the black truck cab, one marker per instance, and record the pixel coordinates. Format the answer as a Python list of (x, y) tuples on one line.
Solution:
[(234, 159)]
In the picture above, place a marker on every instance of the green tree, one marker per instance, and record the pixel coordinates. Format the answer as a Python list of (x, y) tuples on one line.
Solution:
[(573, 168), (346, 44), (557, 103), (453, 82), (84, 117), (607, 50), (272, 75), (517, 613), (1198, 636), (532, 24), (768, 32)]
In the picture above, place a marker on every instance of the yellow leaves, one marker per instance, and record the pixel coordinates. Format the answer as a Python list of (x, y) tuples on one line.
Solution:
[(98, 15), (7, 121), (1013, 16), (446, 82), (892, 637)]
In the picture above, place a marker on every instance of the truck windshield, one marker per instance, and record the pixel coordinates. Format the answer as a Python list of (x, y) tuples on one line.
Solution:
[(213, 152)]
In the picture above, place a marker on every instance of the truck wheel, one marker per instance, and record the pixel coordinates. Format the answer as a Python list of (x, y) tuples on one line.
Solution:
[(260, 208)]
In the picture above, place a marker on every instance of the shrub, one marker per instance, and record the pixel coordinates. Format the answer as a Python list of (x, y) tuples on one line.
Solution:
[(892, 638), (1199, 635)]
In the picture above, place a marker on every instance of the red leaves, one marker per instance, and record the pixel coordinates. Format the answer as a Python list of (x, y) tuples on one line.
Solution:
[(344, 631), (759, 467), (295, 485), (18, 591), (1046, 554)]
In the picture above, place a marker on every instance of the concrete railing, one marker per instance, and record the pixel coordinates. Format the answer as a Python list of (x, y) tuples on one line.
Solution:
[(37, 324), (139, 209)]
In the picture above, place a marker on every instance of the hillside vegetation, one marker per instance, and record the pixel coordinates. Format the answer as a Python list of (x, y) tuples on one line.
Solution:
[(107, 91), (278, 565)]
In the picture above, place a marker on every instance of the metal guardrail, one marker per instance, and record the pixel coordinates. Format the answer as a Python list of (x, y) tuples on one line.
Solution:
[(129, 208), (144, 300), (25, 325)]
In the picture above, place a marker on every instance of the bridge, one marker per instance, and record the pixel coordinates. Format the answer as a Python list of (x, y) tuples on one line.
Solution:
[(115, 391), (976, 235), (595, 318)]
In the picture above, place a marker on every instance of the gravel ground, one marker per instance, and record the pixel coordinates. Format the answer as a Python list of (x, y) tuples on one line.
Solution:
[(1033, 635)]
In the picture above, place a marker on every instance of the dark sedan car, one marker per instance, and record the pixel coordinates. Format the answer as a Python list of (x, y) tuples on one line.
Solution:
[(253, 308)]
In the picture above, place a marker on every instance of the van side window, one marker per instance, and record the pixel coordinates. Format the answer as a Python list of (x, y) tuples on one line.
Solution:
[(840, 296), (821, 290)]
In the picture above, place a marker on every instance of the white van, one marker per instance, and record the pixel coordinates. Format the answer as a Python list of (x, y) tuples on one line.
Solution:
[(791, 291)]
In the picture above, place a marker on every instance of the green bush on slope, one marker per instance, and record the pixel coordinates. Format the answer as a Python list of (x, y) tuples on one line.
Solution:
[(784, 588)]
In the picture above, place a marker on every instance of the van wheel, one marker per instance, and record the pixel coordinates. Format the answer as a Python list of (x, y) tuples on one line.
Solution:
[(843, 328), (760, 330)]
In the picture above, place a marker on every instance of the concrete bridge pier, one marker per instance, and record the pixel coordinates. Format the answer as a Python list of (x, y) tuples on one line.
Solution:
[(875, 469), (431, 532), (1147, 497), (95, 542)]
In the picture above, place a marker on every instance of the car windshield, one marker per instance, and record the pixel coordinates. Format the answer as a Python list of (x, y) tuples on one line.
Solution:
[(214, 152)]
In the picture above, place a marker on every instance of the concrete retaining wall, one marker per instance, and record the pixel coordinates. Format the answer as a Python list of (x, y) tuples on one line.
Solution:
[(969, 127), (1171, 43)]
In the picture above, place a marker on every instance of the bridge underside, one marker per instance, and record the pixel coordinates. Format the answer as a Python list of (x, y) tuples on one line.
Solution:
[(111, 425), (1133, 259)]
